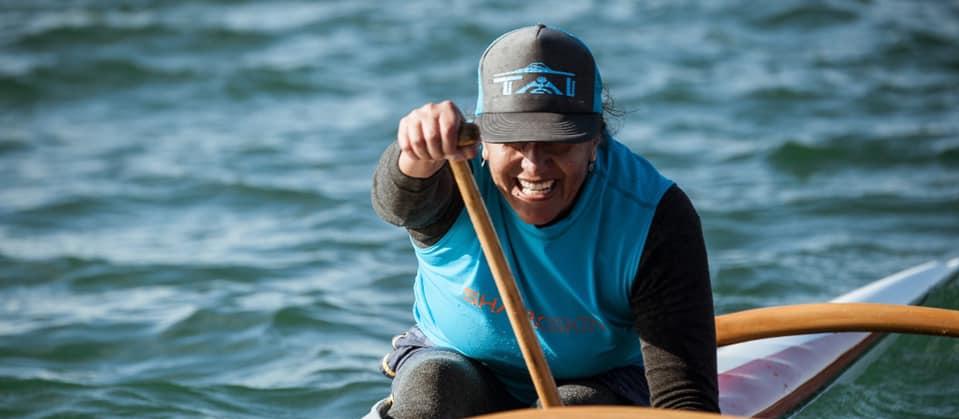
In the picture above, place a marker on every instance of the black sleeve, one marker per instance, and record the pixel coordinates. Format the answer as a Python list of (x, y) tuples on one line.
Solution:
[(672, 303), (426, 207)]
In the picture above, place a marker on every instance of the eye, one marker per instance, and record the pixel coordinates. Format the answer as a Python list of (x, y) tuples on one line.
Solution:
[(558, 149), (550, 149)]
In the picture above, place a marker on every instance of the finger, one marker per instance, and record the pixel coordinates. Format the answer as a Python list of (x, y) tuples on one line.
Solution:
[(468, 152), (417, 144), (433, 140), (449, 120), (465, 152), (402, 137)]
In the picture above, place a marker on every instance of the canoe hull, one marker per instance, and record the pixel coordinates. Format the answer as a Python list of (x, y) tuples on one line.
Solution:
[(771, 377)]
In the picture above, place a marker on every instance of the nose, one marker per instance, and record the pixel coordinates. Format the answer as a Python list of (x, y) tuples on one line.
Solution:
[(534, 157)]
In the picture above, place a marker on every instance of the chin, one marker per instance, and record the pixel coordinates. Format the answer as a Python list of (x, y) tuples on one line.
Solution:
[(536, 218)]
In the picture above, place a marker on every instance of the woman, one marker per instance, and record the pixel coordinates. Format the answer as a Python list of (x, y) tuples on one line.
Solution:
[(607, 253)]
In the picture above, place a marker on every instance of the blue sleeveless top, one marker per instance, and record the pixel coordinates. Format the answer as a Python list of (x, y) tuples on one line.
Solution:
[(574, 275)]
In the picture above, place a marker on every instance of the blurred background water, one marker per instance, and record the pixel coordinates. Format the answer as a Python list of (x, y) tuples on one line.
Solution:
[(185, 226)]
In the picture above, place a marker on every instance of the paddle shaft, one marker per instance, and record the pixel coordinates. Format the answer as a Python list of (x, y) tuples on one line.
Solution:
[(505, 284), (834, 317)]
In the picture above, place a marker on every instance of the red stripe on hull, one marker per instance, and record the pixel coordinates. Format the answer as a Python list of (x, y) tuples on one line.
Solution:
[(776, 384)]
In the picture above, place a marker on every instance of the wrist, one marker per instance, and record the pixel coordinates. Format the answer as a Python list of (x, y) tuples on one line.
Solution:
[(421, 169)]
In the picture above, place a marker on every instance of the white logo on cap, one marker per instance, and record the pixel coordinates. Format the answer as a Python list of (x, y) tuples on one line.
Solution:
[(539, 86)]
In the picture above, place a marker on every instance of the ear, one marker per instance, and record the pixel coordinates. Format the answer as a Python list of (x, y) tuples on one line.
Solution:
[(592, 151)]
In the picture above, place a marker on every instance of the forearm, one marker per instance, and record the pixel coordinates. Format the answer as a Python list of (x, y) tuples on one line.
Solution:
[(426, 207), (673, 307)]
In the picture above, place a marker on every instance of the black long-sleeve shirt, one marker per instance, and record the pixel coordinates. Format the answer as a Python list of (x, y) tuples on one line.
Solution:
[(671, 297)]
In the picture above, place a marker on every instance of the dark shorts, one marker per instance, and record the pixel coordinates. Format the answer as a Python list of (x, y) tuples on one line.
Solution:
[(628, 382)]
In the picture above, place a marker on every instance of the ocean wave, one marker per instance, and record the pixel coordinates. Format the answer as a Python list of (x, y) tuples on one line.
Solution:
[(784, 94), (14, 91), (804, 15), (19, 272), (315, 317), (12, 144), (92, 275), (213, 323), (920, 43), (677, 93), (910, 148), (926, 209), (97, 33), (268, 80), (25, 396), (183, 188), (248, 194), (71, 36), (59, 208), (78, 78)]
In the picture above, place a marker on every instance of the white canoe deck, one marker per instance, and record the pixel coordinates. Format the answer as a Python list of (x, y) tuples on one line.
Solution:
[(771, 377)]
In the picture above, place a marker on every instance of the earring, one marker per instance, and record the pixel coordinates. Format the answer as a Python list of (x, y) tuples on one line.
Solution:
[(592, 165)]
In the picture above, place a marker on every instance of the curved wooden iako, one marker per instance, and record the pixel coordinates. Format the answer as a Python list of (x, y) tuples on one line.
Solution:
[(804, 319)]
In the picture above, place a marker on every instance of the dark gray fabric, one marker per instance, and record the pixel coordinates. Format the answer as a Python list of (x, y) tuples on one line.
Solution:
[(442, 384), (671, 297), (587, 392), (628, 382), (540, 126), (426, 207), (538, 84), (672, 302), (437, 383), (620, 386), (404, 345)]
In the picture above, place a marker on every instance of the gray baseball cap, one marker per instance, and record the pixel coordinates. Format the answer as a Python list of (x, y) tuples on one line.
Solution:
[(539, 84)]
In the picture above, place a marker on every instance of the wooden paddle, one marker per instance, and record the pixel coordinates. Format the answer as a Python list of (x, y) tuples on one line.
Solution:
[(505, 284), (803, 319)]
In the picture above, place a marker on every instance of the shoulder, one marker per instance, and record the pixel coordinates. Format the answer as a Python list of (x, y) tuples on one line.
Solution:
[(629, 174), (676, 206)]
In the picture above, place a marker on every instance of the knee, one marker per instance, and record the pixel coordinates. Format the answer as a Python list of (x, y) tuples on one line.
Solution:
[(575, 394), (439, 367), (587, 393), (437, 384)]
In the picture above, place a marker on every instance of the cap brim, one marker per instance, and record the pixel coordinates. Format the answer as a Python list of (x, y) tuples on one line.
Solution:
[(511, 127)]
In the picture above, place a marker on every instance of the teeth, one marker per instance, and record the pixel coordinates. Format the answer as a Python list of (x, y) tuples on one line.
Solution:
[(534, 187)]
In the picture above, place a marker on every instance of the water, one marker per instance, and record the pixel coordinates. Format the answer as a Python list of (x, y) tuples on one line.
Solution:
[(185, 227)]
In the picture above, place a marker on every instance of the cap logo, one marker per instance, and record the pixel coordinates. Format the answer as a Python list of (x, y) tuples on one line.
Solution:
[(541, 84)]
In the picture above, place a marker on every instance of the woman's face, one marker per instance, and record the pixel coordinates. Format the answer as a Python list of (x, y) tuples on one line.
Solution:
[(539, 180)]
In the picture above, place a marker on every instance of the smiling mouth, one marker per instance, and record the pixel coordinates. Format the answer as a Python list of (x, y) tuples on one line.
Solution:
[(535, 190)]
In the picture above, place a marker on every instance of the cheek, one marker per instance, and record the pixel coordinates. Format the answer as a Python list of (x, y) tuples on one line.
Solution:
[(501, 166), (503, 173), (575, 174)]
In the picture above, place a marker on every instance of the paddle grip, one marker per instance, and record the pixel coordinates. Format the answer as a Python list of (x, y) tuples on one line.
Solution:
[(469, 134)]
